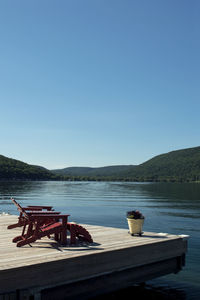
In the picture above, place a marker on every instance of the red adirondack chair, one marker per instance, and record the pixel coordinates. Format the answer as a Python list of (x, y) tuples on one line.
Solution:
[(30, 208), (37, 224)]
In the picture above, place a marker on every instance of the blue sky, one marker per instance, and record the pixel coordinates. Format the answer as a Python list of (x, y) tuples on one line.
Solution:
[(98, 82)]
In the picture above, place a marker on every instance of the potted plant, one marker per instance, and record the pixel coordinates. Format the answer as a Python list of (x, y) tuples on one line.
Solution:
[(135, 222)]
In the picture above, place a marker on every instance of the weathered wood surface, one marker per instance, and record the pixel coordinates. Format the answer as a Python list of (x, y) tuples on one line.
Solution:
[(48, 264)]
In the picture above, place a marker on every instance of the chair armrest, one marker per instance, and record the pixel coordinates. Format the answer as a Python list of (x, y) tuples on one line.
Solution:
[(38, 215), (54, 217), (41, 207), (42, 212), (32, 208)]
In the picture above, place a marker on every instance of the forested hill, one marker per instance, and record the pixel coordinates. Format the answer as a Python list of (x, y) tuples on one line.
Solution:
[(180, 165), (12, 169), (93, 172)]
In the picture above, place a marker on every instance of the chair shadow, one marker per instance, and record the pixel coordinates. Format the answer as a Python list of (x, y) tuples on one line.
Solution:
[(79, 246), (83, 247)]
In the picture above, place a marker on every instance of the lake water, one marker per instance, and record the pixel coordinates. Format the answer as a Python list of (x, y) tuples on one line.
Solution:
[(167, 207)]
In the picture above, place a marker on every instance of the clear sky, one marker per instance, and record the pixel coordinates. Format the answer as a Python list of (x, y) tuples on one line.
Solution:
[(98, 82)]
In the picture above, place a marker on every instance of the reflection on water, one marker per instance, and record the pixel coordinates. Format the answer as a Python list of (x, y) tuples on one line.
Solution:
[(168, 207), (150, 291)]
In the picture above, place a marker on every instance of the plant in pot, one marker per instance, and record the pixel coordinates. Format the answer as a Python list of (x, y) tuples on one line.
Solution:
[(135, 222)]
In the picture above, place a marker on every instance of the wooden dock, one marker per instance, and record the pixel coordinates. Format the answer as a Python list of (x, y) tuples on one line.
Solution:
[(115, 260)]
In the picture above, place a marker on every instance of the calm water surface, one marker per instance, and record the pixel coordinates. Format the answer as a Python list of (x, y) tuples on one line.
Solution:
[(168, 207)]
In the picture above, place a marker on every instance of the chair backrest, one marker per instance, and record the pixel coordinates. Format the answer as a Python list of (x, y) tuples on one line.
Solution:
[(19, 208)]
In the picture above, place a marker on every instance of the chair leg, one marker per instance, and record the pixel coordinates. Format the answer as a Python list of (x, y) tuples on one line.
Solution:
[(17, 238), (71, 228), (57, 237), (24, 235), (14, 225), (26, 241), (21, 222)]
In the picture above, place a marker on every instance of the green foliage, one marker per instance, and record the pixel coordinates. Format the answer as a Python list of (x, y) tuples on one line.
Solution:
[(181, 165), (12, 169), (92, 172), (176, 166)]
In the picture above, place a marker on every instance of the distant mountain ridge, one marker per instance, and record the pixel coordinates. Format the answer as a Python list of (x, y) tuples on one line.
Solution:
[(179, 165), (175, 166), (88, 171)]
